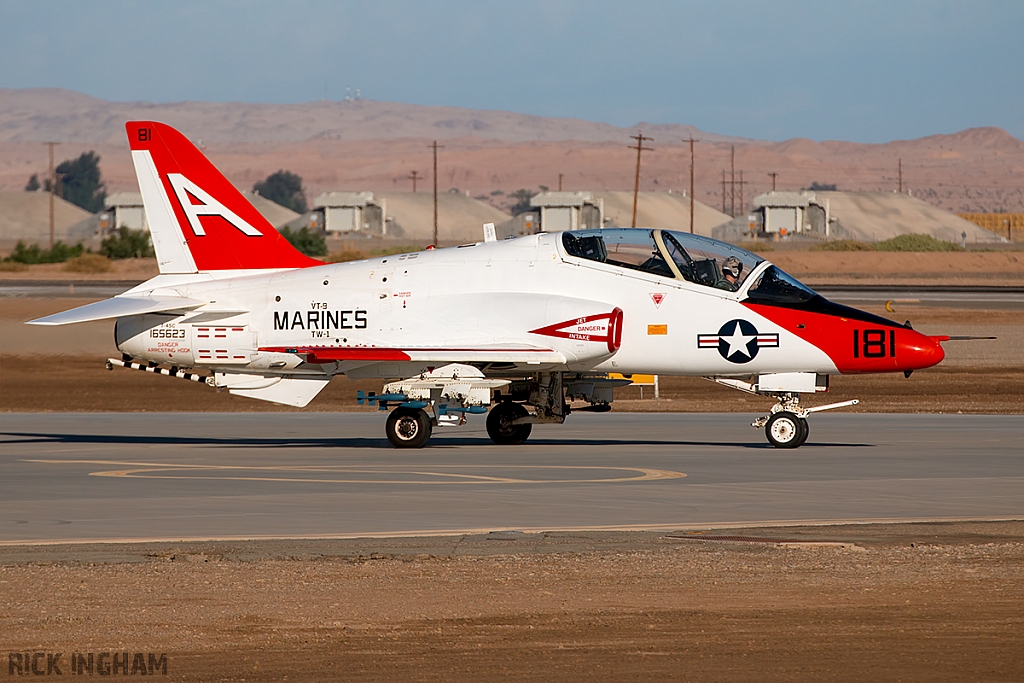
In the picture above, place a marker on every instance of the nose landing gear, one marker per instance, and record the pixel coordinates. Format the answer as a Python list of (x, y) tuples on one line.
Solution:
[(786, 425), (786, 430)]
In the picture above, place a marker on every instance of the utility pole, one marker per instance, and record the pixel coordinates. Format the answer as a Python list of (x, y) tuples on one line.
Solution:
[(723, 191), (639, 137), (901, 175), (732, 182), (691, 183), (435, 147), (414, 177), (741, 190), (53, 188), (560, 175), (774, 176)]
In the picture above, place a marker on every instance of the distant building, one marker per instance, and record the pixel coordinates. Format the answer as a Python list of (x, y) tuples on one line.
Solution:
[(861, 216), (346, 212), (560, 211), (123, 209)]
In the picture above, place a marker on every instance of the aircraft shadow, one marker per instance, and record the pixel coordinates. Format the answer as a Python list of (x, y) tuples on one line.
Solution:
[(361, 442)]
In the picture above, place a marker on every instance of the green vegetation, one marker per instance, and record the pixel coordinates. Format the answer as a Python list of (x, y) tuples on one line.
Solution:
[(88, 263), (127, 243), (284, 188), (522, 199), (31, 254), (916, 243), (80, 182), (33, 183), (843, 245), (309, 242), (822, 187)]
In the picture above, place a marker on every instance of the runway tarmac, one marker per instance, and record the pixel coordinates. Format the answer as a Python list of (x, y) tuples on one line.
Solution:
[(87, 477)]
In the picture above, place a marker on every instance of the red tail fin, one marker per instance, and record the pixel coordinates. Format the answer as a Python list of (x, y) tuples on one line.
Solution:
[(199, 221)]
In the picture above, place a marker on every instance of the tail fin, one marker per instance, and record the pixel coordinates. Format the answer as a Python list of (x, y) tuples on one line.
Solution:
[(199, 221)]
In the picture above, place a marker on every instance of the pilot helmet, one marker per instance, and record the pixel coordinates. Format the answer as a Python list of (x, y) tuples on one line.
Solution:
[(732, 266)]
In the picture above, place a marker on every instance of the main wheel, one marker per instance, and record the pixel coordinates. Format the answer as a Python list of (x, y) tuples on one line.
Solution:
[(786, 430), (408, 428), (500, 427)]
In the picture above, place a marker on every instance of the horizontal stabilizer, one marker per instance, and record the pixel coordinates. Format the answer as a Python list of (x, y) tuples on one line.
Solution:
[(119, 307)]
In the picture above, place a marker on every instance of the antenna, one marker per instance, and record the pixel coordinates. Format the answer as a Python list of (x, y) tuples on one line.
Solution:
[(639, 137), (774, 175)]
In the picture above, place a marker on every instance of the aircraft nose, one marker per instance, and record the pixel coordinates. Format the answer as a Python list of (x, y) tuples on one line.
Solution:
[(920, 351)]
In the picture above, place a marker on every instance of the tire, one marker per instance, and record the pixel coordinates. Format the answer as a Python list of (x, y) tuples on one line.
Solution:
[(805, 429), (500, 427), (408, 428), (786, 430)]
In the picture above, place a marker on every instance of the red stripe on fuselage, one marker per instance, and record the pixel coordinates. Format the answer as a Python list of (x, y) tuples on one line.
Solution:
[(885, 349)]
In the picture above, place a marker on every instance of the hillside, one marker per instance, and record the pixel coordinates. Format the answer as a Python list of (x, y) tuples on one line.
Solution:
[(375, 145)]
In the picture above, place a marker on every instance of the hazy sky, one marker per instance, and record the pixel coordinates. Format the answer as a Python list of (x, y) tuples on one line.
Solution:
[(860, 70)]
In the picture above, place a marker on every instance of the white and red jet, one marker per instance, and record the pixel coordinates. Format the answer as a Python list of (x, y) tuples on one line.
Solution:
[(521, 326)]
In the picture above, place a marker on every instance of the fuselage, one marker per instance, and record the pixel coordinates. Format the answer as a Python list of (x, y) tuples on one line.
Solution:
[(518, 305)]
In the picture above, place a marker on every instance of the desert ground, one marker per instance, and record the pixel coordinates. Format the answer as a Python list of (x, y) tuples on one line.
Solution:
[(894, 602)]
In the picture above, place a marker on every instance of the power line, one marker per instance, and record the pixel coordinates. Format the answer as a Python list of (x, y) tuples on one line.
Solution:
[(774, 175), (639, 137), (560, 176), (414, 177)]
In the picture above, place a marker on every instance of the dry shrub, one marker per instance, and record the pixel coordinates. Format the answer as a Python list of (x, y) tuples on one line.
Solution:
[(843, 245), (88, 263), (757, 247), (346, 254), (12, 267)]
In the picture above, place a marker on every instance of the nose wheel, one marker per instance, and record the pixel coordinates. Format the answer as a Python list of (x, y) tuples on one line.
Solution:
[(786, 430)]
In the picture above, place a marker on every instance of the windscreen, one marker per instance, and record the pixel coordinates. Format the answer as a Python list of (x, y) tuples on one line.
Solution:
[(775, 286)]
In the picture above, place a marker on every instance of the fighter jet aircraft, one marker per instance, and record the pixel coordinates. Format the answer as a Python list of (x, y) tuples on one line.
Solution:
[(521, 329)]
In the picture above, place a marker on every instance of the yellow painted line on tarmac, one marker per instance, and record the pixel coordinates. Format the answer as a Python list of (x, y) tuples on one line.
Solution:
[(141, 470)]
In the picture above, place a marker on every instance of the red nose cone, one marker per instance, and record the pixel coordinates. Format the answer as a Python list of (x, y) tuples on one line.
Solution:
[(918, 351)]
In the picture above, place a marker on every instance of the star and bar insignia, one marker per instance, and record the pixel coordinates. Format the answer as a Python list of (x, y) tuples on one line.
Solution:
[(738, 341)]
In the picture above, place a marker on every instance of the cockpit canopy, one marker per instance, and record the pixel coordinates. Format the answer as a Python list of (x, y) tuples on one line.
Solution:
[(667, 253)]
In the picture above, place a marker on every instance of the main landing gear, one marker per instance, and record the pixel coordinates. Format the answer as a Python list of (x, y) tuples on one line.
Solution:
[(408, 427), (446, 395), (501, 425)]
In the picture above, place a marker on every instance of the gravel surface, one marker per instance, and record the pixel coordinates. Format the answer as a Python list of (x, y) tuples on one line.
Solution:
[(924, 602)]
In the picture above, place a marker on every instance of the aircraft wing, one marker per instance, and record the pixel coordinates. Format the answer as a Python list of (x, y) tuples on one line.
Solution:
[(507, 353), (119, 307)]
